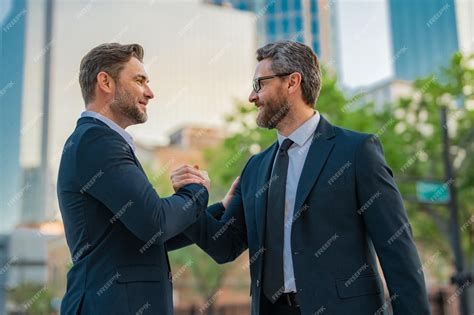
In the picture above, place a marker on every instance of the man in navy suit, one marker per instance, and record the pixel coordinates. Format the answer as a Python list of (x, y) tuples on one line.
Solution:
[(117, 227), (314, 209)]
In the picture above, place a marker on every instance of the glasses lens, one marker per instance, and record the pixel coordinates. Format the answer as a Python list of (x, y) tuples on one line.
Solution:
[(255, 86)]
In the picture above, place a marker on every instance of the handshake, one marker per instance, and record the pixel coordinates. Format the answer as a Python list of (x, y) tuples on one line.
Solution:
[(188, 174)]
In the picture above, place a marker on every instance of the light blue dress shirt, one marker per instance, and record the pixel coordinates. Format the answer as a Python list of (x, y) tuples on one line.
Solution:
[(112, 125), (302, 138)]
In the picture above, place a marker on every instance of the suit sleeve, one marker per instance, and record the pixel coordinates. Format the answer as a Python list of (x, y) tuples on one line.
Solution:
[(107, 172), (382, 208), (181, 240), (223, 239)]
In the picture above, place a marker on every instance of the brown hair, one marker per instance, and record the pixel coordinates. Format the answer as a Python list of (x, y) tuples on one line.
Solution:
[(110, 58)]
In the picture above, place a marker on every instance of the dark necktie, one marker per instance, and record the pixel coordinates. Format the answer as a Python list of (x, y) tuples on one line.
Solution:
[(273, 280)]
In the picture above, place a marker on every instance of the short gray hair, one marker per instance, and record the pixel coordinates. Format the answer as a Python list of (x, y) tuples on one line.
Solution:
[(290, 56)]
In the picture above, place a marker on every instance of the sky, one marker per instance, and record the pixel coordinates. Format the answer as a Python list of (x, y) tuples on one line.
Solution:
[(364, 41)]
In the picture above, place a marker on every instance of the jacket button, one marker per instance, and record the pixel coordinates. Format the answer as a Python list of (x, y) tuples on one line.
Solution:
[(258, 283), (296, 253)]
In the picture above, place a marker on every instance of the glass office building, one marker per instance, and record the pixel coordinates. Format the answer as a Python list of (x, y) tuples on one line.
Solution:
[(12, 48), (424, 36), (286, 19)]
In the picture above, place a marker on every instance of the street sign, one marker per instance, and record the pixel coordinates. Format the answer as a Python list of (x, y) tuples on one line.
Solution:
[(433, 192)]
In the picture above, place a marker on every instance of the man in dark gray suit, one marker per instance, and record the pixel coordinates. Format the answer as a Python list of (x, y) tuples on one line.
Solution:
[(117, 227), (315, 208)]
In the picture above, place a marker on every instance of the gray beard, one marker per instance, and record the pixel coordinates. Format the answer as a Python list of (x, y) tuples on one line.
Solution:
[(271, 116)]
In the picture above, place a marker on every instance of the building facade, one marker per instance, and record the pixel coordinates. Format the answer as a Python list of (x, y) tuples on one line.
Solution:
[(424, 36), (298, 20)]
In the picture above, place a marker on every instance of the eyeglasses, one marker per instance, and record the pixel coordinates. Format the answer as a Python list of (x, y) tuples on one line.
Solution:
[(256, 82)]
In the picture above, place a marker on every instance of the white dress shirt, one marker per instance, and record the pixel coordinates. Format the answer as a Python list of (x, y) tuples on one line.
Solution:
[(302, 138)]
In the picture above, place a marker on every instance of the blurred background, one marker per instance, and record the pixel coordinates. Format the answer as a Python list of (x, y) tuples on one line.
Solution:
[(400, 69)]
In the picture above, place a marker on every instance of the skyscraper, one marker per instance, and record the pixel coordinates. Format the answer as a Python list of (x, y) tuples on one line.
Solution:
[(12, 48), (297, 20), (424, 36)]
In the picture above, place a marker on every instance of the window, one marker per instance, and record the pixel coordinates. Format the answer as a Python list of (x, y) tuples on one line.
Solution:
[(298, 23), (297, 5), (285, 24), (271, 26)]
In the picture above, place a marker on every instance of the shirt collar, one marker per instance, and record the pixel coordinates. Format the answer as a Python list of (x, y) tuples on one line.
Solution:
[(304, 132), (125, 135)]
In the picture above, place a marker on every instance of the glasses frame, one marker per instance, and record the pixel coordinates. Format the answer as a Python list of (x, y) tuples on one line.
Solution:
[(256, 82)]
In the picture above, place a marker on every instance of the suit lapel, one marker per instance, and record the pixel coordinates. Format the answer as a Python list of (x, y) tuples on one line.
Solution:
[(317, 155), (261, 194)]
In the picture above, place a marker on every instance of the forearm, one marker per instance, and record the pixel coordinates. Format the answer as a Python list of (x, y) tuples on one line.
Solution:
[(177, 212), (215, 236)]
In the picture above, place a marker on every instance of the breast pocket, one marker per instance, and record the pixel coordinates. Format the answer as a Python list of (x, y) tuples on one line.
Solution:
[(364, 285), (142, 284)]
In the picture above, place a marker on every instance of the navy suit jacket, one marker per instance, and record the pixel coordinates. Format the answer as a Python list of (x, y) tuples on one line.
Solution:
[(347, 210), (117, 227)]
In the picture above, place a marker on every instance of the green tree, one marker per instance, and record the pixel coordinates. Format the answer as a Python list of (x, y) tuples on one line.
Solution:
[(419, 124)]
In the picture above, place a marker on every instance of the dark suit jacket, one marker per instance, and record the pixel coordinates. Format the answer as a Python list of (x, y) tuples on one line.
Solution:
[(347, 209), (117, 227)]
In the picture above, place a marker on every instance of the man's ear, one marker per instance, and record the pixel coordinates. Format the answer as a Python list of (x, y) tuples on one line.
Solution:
[(105, 82), (294, 82)]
